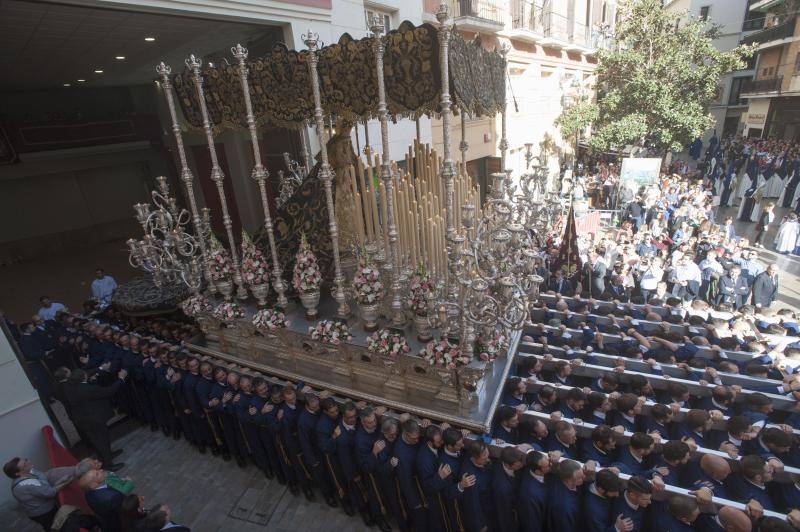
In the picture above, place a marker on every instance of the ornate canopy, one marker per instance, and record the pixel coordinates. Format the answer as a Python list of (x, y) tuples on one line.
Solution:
[(281, 87)]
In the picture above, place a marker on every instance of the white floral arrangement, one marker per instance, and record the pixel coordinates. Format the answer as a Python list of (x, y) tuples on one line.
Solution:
[(228, 312), (488, 349), (367, 283), (420, 286), (255, 270), (195, 305), (307, 277), (443, 354), (219, 262), (330, 332), (270, 319), (387, 342)]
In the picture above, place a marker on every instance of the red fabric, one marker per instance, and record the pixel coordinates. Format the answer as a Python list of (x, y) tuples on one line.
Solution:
[(60, 457)]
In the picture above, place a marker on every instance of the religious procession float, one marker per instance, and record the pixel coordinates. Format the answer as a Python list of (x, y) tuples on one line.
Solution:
[(392, 283)]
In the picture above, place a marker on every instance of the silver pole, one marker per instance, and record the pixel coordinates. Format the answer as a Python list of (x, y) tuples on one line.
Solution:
[(186, 174), (217, 176), (392, 256), (311, 40), (260, 174)]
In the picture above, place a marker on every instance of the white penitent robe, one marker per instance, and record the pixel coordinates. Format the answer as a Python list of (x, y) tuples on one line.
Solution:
[(786, 238), (774, 186)]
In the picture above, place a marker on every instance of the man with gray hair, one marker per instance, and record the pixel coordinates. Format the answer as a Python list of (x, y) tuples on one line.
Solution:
[(36, 490)]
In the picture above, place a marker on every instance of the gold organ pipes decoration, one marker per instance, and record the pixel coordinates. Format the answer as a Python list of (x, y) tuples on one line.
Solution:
[(391, 253), (311, 40), (200, 225), (260, 174), (217, 176)]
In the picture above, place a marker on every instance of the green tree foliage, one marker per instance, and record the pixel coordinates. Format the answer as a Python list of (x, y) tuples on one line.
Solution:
[(654, 87)]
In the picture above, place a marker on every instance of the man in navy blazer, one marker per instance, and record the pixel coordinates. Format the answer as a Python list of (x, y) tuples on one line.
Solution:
[(104, 501)]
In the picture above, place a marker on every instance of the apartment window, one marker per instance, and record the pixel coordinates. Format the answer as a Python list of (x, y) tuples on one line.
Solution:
[(797, 63), (736, 90), (369, 14), (704, 12)]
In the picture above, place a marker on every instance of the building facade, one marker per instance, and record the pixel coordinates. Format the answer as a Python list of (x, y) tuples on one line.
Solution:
[(551, 60), (774, 94), (735, 21)]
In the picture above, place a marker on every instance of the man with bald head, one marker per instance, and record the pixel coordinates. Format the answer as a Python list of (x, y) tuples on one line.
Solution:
[(713, 472)]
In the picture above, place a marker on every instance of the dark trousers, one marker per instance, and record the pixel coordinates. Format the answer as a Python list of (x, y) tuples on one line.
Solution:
[(234, 437), (46, 520), (99, 438), (202, 432), (760, 234), (436, 511), (318, 476), (274, 461), (257, 451)]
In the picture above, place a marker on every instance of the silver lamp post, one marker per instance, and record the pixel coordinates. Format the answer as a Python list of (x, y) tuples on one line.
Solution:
[(260, 174), (311, 41), (217, 176)]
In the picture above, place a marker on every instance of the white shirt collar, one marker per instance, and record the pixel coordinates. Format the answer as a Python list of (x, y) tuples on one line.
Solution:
[(638, 459), (737, 443), (632, 419), (451, 453), (540, 478), (508, 471), (601, 415)]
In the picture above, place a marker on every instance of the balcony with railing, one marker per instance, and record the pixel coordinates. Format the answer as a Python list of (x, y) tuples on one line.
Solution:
[(478, 15), (761, 86), (772, 36)]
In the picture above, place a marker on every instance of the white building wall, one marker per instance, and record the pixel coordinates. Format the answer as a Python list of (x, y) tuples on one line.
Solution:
[(22, 416)]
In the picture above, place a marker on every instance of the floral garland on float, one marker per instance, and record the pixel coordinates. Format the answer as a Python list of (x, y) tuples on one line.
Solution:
[(369, 292), (307, 277), (489, 348), (332, 332), (420, 287), (228, 312), (255, 270), (387, 342), (221, 268), (442, 353), (195, 305), (270, 319)]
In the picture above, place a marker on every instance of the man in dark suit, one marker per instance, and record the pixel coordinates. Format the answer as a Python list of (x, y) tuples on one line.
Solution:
[(160, 518), (561, 285), (104, 501), (765, 287), (596, 275), (34, 353), (91, 409), (733, 288)]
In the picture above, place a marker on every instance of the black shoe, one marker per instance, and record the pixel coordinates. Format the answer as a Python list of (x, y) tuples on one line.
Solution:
[(177, 435), (348, 508), (116, 453), (240, 461), (166, 432), (270, 475), (331, 501), (383, 526), (280, 479), (366, 518), (309, 493), (114, 467), (226, 456), (153, 427), (202, 449), (293, 489), (215, 451)]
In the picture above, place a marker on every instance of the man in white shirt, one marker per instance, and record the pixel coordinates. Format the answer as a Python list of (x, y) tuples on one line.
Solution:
[(49, 309), (103, 287)]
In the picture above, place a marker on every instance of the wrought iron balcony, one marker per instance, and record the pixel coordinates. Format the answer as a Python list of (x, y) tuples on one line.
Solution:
[(755, 86), (487, 11), (778, 32)]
